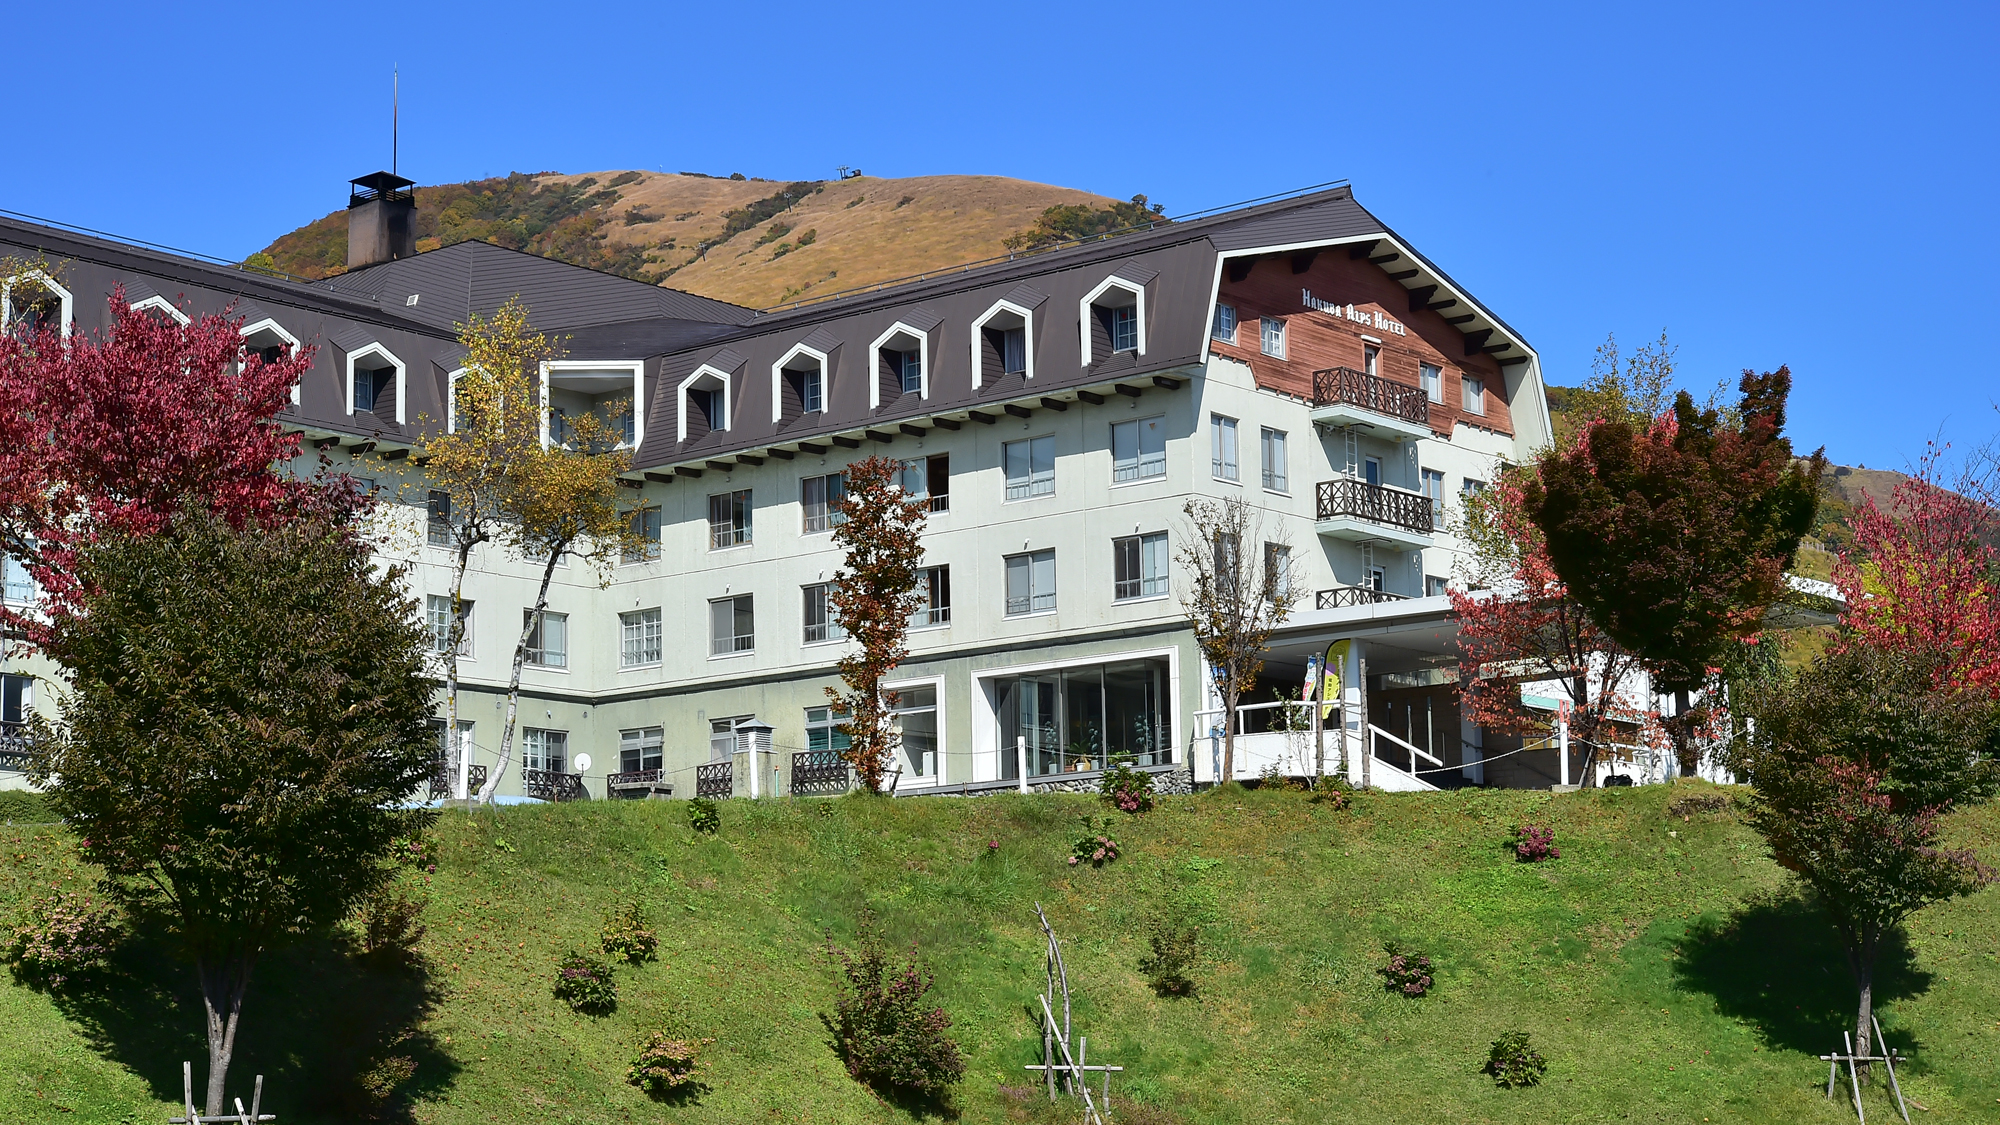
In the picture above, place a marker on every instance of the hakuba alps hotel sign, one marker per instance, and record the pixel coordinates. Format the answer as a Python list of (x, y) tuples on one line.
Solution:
[(1362, 317)]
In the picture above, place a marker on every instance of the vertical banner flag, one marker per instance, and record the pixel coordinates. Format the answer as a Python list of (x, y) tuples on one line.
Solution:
[(1336, 659)]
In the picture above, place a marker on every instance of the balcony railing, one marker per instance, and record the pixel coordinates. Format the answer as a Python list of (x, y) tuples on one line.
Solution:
[(1341, 597), (553, 785), (818, 773), (716, 779), (1337, 385), (1373, 502), (13, 747), (441, 780)]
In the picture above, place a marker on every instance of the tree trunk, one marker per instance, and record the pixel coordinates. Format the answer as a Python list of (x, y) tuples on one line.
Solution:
[(224, 978), (458, 762), (514, 679), (1681, 731), (1861, 960), (1229, 697)]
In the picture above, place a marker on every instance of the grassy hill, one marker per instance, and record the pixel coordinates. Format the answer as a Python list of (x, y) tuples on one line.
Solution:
[(1663, 965), (752, 241)]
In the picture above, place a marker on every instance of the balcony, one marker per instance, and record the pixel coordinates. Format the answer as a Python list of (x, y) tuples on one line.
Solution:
[(715, 780), (1361, 512), (441, 781), (553, 785), (1353, 399), (14, 753), (638, 784), (1346, 597)]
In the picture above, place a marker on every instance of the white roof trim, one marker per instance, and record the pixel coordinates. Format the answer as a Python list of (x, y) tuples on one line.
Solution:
[(165, 306), (923, 339), (1137, 290), (778, 377), (636, 366), (402, 380), (709, 372), (1027, 316), (269, 325), (67, 299)]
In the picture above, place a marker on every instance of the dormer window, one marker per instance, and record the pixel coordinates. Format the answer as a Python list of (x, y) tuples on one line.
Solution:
[(33, 300), (908, 369), (899, 357), (704, 403), (1114, 320), (375, 384), (269, 341), (801, 382), (609, 392), (1003, 343), (161, 308)]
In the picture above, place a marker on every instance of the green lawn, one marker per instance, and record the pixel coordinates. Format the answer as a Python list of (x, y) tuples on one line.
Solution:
[(1663, 966)]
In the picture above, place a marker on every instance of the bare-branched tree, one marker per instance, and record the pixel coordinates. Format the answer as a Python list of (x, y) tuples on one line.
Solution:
[(1237, 582)]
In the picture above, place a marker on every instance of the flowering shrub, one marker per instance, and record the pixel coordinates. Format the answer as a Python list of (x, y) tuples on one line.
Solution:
[(666, 1065), (626, 935), (1407, 973), (1097, 848), (882, 1027), (418, 851), (703, 816), (64, 934), (1513, 1063), (586, 985), (1332, 792), (1129, 789), (1533, 844)]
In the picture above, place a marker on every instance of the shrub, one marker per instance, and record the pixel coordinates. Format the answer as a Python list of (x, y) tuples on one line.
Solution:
[(1175, 944), (883, 1029), (1533, 843), (586, 985), (627, 935), (667, 1065), (390, 923), (1129, 789), (1513, 1063), (1332, 792), (419, 851), (1685, 807), (1408, 974), (704, 816), (24, 807), (1097, 847), (64, 935)]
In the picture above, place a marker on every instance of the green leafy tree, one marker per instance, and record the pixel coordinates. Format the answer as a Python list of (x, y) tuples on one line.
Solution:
[(244, 722), (1067, 222), (1675, 537), (874, 593), (1856, 761)]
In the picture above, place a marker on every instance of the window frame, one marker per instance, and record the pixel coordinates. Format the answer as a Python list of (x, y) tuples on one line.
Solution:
[(1472, 394), (821, 360), (556, 368), (1141, 461), (923, 350), (1215, 323), (1231, 468), (1029, 489), (1430, 377), (537, 749), (741, 644), (1283, 477), (1137, 292), (830, 631), (1031, 563), (537, 628), (640, 740), (646, 523), (1137, 547), (437, 614), (741, 534), (1268, 329), (930, 580), (697, 380), (65, 300), (831, 516), (978, 341), (351, 366), (633, 626)]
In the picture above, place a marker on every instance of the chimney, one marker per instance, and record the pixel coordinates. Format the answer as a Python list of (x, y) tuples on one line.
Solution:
[(381, 220)]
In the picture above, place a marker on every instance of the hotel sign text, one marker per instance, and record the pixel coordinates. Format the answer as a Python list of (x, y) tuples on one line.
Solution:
[(1359, 316)]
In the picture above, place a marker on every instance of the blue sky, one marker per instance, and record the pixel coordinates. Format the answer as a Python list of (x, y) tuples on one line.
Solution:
[(1802, 184)]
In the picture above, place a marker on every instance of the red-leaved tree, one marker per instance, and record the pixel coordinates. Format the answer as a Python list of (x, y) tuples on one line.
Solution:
[(874, 593), (121, 430)]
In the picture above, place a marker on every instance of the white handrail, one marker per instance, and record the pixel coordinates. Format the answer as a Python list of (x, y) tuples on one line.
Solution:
[(1424, 754)]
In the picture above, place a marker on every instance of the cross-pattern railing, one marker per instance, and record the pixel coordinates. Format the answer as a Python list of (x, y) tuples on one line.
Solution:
[(635, 779), (1341, 597), (1370, 392), (716, 779), (1373, 502), (818, 772), (13, 747), (553, 785), (441, 779)]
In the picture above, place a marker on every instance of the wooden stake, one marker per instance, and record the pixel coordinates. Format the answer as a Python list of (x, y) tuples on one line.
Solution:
[(1889, 1061), (1853, 1078)]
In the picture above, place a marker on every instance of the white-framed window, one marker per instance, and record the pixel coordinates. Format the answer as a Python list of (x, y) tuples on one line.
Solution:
[(548, 638), (639, 638), (899, 360), (1271, 443), (1376, 579), (728, 519), (1223, 327), (732, 625), (545, 750), (823, 730), (916, 713), (722, 737), (1222, 447), (612, 392), (820, 498), (645, 527), (17, 587), (437, 611), (812, 391), (17, 701), (1031, 583), (1138, 449), (1124, 330), (1003, 343), (1474, 390), (927, 479), (1431, 376), (1371, 470), (1030, 466), (1273, 336), (375, 384), (1469, 487), (642, 748), (704, 403), (1434, 488), (820, 623), (1371, 359), (1435, 585), (909, 369), (800, 376), (437, 506), (934, 586), (1113, 319), (1139, 567), (30, 300)]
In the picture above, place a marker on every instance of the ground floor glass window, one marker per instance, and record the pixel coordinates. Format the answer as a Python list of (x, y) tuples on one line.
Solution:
[(916, 714), (1084, 718)]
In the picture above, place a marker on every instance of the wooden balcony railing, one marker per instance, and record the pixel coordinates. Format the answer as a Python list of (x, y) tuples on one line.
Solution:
[(1370, 392), (716, 779), (818, 773), (13, 747), (1341, 597), (553, 785), (632, 779), (441, 782), (1373, 502)]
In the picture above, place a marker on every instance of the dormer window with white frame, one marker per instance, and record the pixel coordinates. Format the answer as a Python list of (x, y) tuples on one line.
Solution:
[(32, 299), (1003, 343), (704, 403), (613, 392), (1113, 317), (800, 381), (160, 306), (269, 341), (375, 384), (900, 359)]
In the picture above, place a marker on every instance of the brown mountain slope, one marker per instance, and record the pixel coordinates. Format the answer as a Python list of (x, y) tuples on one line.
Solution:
[(754, 242)]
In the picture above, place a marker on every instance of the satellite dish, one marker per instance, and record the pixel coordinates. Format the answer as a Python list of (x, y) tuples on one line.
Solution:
[(583, 763)]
